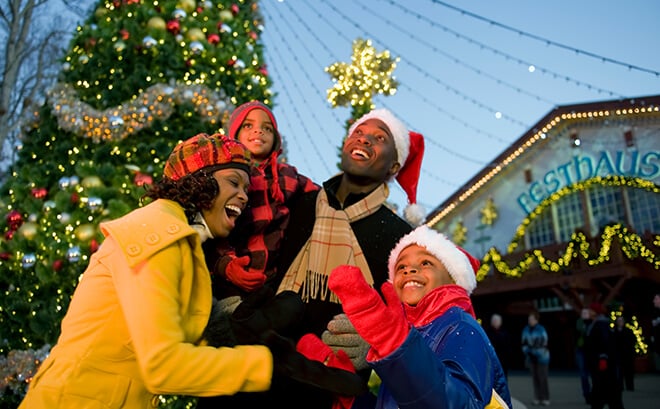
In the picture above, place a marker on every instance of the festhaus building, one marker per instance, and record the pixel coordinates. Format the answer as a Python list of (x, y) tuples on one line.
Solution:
[(567, 215)]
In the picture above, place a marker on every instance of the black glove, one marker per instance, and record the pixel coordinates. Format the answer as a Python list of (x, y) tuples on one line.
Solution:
[(261, 311), (289, 362), (218, 331)]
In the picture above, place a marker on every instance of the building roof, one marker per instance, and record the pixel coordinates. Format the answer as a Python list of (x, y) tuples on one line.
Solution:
[(637, 106)]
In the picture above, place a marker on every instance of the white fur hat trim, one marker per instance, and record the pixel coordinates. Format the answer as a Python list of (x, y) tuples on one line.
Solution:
[(454, 260), (397, 128)]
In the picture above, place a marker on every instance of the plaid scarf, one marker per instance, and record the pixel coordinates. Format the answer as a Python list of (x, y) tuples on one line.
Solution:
[(332, 243)]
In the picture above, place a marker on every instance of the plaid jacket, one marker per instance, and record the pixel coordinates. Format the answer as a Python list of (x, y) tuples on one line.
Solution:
[(260, 229)]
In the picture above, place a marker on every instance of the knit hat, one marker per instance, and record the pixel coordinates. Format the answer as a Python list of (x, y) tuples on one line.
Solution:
[(462, 266), (203, 150), (238, 116), (410, 152), (234, 125)]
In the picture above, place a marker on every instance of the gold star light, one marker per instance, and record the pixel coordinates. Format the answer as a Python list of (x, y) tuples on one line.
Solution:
[(368, 74)]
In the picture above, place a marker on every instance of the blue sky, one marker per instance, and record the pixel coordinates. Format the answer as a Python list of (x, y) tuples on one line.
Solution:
[(460, 63), (457, 69)]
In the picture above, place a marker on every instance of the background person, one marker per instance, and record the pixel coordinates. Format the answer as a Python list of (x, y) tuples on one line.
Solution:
[(581, 325), (602, 361), (537, 357), (501, 341), (625, 347)]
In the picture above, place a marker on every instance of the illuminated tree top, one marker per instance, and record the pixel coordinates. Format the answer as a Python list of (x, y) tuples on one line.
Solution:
[(368, 74)]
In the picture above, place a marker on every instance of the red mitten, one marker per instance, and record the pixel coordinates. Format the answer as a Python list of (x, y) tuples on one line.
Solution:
[(383, 326), (313, 348), (236, 273)]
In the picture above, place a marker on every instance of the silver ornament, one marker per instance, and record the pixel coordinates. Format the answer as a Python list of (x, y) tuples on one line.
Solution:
[(73, 254), (28, 260)]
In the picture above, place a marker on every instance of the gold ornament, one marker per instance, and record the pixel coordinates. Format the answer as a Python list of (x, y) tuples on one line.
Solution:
[(226, 15), (187, 5), (91, 181), (28, 230), (195, 34), (156, 23), (85, 232), (100, 13)]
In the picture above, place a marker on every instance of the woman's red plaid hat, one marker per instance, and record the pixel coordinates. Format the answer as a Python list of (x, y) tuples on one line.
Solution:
[(202, 151)]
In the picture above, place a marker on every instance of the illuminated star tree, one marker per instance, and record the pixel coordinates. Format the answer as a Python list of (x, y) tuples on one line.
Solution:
[(368, 74)]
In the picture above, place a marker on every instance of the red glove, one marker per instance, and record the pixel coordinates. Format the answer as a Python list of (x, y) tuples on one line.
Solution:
[(236, 273), (313, 348), (602, 364), (383, 326)]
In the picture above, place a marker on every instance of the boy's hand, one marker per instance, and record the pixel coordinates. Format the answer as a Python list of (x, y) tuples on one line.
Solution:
[(383, 326)]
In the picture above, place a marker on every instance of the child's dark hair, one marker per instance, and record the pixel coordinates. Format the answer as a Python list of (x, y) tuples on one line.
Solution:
[(194, 192)]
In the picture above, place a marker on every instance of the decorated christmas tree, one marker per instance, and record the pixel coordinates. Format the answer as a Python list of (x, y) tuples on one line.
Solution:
[(139, 76)]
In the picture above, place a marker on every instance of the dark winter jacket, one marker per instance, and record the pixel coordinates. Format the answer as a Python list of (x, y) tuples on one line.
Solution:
[(435, 368)]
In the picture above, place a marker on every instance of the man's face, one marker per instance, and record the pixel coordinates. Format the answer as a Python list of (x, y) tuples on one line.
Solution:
[(369, 152)]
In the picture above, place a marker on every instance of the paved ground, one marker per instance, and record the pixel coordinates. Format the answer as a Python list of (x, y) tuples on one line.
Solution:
[(565, 391)]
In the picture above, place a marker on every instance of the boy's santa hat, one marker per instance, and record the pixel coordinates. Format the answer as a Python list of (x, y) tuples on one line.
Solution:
[(410, 151), (462, 266)]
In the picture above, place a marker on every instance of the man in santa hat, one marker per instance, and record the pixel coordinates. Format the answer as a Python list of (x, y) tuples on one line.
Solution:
[(346, 222)]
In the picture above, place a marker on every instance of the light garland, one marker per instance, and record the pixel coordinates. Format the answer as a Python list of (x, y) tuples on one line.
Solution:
[(156, 103), (631, 244), (578, 187)]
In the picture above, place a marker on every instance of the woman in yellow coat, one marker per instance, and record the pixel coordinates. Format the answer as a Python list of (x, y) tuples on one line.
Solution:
[(133, 327)]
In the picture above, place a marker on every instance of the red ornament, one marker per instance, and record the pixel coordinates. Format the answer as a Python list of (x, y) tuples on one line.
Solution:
[(234, 9), (9, 234), (39, 192), (263, 70), (231, 63), (14, 219), (141, 179), (125, 35), (173, 26), (75, 198), (213, 39), (93, 245), (253, 35), (57, 265), (5, 255)]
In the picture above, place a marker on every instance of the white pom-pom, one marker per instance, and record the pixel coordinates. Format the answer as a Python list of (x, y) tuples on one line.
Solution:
[(414, 214)]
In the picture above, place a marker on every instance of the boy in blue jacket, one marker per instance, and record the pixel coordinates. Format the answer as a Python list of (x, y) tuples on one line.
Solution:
[(426, 345)]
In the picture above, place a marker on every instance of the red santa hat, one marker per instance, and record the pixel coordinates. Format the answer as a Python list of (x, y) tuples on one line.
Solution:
[(462, 266), (410, 152)]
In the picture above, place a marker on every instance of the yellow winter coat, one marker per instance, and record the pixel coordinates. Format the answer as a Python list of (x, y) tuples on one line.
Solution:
[(131, 328)]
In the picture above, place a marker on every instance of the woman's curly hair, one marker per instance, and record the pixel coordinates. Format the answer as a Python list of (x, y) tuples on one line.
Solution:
[(194, 192)]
